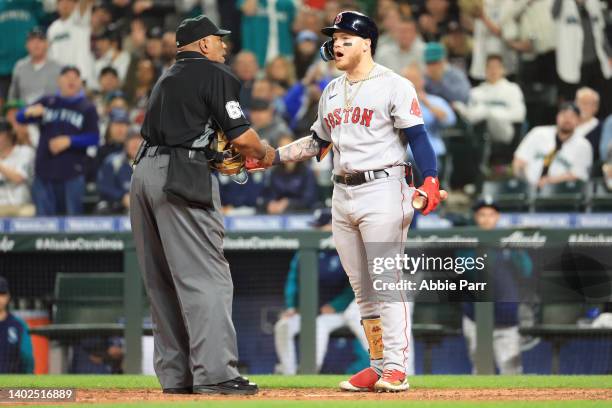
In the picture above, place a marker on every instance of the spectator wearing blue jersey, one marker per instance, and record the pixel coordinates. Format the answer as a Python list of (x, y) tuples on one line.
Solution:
[(291, 187), (114, 177), (267, 123), (302, 100), (443, 79), (68, 124), (241, 199), (16, 356), (115, 136)]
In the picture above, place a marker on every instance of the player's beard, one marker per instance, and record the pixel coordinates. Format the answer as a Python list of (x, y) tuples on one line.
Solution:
[(349, 62)]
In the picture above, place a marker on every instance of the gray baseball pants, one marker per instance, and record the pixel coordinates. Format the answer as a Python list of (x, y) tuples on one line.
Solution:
[(187, 279)]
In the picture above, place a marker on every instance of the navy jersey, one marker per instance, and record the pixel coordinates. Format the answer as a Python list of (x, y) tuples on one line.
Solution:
[(299, 186), (334, 287), (75, 117), (188, 97), (15, 347), (114, 177)]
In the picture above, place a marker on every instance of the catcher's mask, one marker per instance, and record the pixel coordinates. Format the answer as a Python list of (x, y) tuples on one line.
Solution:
[(226, 159)]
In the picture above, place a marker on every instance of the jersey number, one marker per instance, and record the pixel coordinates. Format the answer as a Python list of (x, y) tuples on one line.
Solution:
[(233, 110)]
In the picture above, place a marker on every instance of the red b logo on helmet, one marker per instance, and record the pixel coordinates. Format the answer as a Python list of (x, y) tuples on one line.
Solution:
[(338, 18)]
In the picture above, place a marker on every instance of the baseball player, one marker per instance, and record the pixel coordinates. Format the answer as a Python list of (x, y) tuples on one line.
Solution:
[(361, 115)]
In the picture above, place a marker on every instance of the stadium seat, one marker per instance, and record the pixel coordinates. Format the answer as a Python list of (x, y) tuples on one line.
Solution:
[(561, 313), (88, 298), (91, 198), (561, 197), (503, 153), (509, 195), (601, 200), (464, 153), (445, 314), (84, 305), (432, 323)]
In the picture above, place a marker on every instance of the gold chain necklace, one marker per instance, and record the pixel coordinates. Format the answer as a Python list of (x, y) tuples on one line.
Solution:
[(348, 102)]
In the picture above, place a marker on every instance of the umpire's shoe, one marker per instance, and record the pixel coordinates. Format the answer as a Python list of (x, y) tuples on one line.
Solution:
[(237, 386), (182, 390)]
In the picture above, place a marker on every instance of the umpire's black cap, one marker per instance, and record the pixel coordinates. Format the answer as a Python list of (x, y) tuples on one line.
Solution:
[(193, 29)]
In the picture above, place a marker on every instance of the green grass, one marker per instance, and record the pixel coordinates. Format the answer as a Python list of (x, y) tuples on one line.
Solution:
[(329, 381), (318, 381)]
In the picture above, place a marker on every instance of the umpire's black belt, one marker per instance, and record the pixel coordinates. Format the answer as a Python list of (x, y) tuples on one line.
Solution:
[(151, 151), (355, 179)]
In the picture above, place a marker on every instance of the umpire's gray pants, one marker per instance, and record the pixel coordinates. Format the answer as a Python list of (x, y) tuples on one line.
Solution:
[(187, 279)]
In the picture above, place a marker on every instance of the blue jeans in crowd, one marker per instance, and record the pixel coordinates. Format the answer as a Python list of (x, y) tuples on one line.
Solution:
[(58, 197)]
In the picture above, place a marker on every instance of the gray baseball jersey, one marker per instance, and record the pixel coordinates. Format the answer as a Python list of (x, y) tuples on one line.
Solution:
[(365, 133)]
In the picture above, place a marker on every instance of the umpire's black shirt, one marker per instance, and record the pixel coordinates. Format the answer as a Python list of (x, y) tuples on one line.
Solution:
[(193, 94)]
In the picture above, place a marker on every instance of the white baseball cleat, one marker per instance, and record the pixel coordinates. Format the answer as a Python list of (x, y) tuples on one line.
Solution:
[(363, 381), (392, 381)]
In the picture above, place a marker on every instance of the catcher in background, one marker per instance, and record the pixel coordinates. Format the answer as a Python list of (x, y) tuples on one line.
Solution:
[(176, 218), (361, 115)]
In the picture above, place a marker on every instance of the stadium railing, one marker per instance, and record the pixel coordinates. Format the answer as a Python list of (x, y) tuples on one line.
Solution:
[(308, 243)]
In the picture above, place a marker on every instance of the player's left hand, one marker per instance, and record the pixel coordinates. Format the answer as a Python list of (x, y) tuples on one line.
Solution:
[(59, 144), (431, 186)]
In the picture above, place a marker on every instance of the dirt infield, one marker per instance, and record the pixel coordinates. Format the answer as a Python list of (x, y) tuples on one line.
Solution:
[(501, 394)]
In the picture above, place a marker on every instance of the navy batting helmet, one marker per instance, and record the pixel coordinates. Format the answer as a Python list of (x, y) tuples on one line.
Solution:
[(354, 22)]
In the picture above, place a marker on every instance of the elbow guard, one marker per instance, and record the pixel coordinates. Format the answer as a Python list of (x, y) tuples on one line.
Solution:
[(324, 146)]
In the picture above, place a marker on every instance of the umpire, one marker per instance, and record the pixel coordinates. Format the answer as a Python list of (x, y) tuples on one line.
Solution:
[(176, 218)]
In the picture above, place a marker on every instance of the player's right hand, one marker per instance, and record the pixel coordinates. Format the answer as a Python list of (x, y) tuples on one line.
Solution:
[(35, 110)]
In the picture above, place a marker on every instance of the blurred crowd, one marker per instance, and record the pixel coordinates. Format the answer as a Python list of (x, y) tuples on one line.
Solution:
[(515, 88)]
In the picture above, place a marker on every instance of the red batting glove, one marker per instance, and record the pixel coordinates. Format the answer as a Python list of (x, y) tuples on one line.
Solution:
[(252, 164), (431, 186)]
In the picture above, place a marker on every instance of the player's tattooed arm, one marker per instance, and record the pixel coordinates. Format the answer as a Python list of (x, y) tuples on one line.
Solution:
[(303, 149)]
